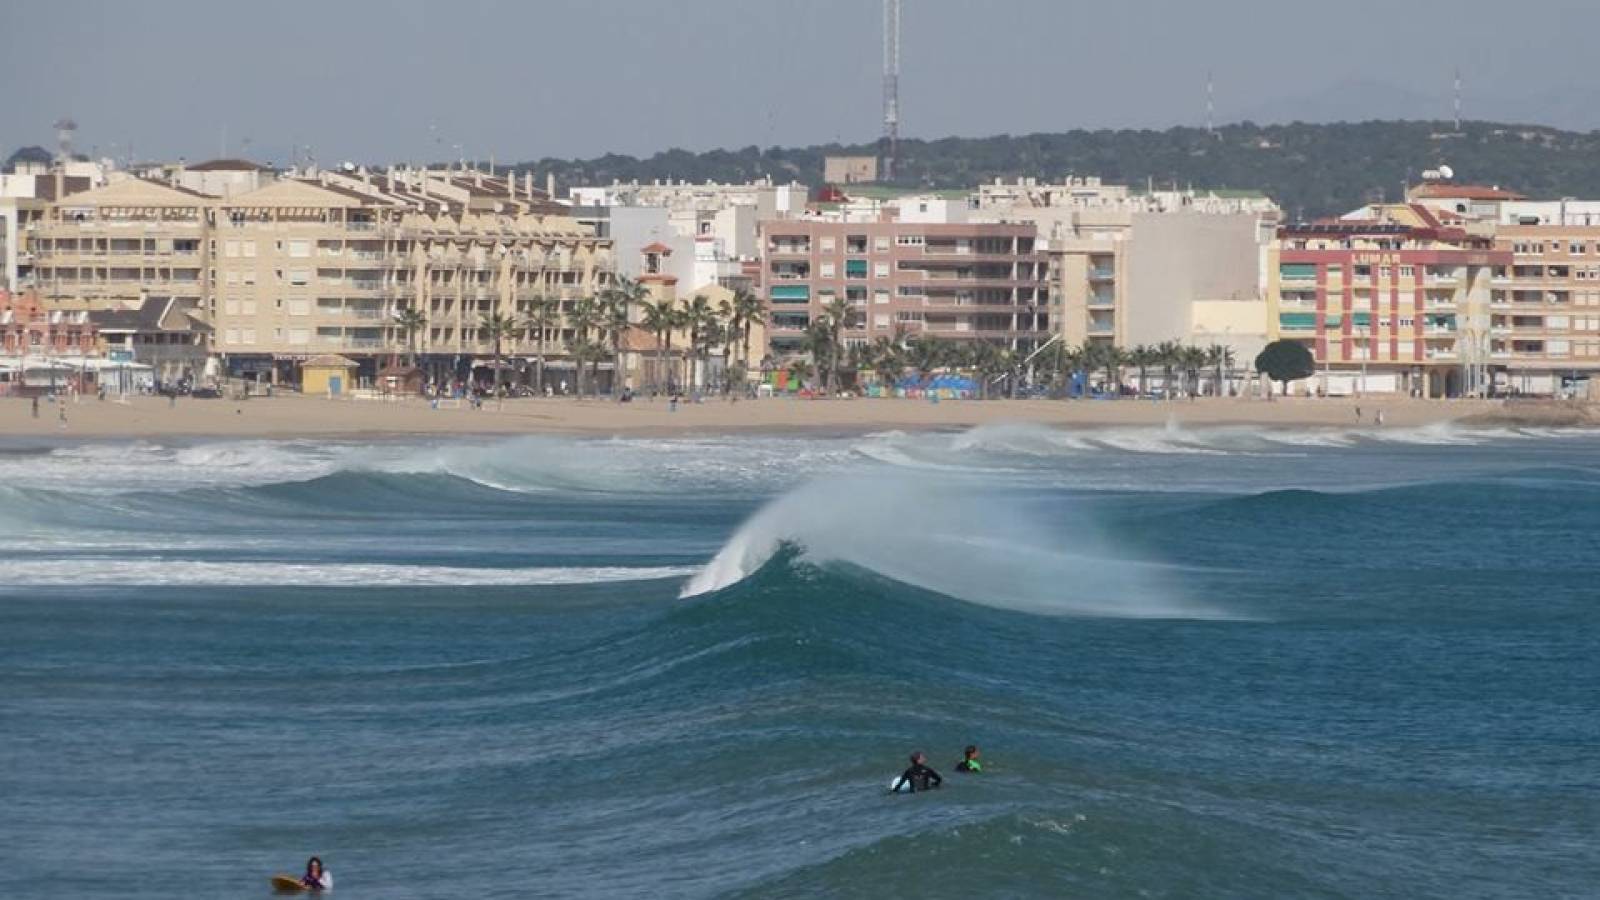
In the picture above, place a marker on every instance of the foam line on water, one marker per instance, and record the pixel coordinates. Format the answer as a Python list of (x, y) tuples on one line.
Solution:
[(101, 572)]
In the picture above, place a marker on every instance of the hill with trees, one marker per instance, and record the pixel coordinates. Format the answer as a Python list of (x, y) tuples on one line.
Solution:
[(1309, 169)]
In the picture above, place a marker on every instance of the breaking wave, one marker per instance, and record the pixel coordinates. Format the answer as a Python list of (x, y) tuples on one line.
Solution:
[(960, 540)]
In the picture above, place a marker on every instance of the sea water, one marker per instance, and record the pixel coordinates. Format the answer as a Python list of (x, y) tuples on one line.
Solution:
[(1210, 663)]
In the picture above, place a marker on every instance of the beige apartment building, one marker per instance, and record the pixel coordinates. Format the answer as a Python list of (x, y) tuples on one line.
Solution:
[(322, 263), (1540, 329), (1130, 268)]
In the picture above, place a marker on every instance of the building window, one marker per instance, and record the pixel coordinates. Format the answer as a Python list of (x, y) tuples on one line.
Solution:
[(880, 244), (855, 268), (827, 244), (880, 270), (827, 270), (910, 240)]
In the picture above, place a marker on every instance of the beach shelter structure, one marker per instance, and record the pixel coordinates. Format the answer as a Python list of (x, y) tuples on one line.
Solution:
[(329, 374), (401, 379)]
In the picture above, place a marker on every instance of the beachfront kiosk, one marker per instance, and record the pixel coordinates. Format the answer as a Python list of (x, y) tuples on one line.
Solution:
[(328, 374)]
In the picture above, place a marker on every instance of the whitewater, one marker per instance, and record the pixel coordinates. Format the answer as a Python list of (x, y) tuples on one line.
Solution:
[(1243, 662)]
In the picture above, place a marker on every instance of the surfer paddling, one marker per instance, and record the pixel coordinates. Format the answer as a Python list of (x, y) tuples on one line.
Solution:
[(919, 777)]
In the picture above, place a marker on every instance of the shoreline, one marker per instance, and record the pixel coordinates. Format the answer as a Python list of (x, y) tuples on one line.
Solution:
[(294, 416)]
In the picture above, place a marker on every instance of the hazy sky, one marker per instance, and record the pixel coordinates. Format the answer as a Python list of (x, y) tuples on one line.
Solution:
[(379, 81)]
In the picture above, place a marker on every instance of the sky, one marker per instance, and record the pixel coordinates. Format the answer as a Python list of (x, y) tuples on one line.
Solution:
[(404, 80)]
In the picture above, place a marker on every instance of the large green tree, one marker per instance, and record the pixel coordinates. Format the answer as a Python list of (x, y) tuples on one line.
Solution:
[(1284, 361)]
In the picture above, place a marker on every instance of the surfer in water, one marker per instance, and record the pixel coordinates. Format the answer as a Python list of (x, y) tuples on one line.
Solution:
[(317, 878), (969, 761), (919, 777)]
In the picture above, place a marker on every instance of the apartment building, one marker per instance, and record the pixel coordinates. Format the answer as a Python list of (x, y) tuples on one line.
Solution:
[(27, 187), (1545, 308), (711, 227), (1129, 268), (1386, 305), (318, 262), (1544, 312), (962, 281)]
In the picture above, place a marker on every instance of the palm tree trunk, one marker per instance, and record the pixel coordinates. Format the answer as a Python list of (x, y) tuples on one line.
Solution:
[(539, 383)]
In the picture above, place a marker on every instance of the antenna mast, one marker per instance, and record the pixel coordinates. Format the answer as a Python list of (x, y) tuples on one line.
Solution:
[(891, 86), (1458, 100), (1211, 105)]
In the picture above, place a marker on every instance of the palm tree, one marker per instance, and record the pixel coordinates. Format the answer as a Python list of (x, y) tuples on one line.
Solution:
[(925, 354), (837, 314), (587, 316), (614, 323), (1142, 355), (622, 298), (730, 323), (800, 370), (1220, 358), (748, 308), (818, 341), (1192, 359), (1109, 357), (659, 320), (588, 355), (497, 327), (409, 321), (543, 311), (887, 360), (697, 318), (1166, 356)]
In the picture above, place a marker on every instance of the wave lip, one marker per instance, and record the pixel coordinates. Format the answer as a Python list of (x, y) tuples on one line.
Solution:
[(103, 572), (951, 538)]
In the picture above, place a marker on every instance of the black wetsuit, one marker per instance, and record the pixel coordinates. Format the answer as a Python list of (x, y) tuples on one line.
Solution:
[(920, 777)]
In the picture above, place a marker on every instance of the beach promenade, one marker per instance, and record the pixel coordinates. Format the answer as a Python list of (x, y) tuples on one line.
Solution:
[(296, 416)]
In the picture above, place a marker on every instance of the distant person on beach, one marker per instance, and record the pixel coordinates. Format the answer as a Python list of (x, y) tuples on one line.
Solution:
[(919, 776), (36, 406), (317, 878), (1378, 418), (969, 761)]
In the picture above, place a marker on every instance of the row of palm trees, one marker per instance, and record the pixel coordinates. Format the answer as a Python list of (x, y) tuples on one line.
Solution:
[(1180, 365), (1059, 365), (599, 325)]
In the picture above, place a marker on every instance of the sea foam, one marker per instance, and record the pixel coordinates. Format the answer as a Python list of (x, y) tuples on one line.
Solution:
[(956, 538)]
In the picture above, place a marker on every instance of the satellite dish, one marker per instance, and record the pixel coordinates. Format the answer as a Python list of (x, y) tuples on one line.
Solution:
[(349, 166), (1446, 173)]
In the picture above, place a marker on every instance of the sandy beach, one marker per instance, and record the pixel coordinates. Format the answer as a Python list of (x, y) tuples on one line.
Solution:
[(295, 416)]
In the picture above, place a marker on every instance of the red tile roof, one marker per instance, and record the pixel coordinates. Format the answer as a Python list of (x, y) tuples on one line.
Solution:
[(1464, 191)]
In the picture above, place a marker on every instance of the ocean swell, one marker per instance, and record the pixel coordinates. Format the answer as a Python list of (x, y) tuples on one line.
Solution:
[(957, 539)]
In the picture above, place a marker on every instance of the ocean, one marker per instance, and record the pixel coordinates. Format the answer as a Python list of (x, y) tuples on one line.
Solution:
[(1225, 662)]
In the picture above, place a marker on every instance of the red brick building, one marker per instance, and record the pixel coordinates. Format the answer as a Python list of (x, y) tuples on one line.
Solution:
[(27, 328)]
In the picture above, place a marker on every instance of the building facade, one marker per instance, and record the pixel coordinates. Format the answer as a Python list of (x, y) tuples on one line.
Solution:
[(959, 281), (322, 263), (1385, 306), (1132, 268)]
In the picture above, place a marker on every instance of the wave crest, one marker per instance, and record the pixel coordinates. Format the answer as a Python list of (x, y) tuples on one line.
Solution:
[(977, 545)]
